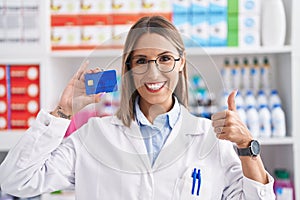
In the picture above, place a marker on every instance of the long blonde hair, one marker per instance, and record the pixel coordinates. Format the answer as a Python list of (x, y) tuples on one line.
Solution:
[(161, 26)]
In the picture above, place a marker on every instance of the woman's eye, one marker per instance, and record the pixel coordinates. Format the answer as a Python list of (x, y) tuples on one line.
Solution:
[(165, 58), (141, 61)]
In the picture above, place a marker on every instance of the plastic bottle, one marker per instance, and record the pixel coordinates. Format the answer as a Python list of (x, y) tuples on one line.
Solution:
[(278, 121), (273, 34), (223, 101), (226, 74), (253, 121), (242, 114), (246, 74), (283, 186), (274, 99), (265, 74), (250, 99), (239, 100), (261, 98), (236, 74), (264, 121), (255, 76)]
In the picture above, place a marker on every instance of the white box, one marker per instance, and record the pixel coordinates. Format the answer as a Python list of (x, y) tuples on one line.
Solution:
[(126, 6), (200, 30), (250, 6), (249, 38), (96, 6), (13, 24), (218, 6), (200, 6), (182, 23), (161, 6), (119, 34), (96, 35), (218, 30), (249, 22), (181, 6), (65, 6), (31, 29), (66, 35)]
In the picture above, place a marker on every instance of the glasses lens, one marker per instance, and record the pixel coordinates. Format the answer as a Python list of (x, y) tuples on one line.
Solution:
[(139, 65), (165, 63)]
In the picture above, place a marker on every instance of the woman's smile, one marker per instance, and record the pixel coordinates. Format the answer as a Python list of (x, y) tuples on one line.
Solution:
[(155, 86)]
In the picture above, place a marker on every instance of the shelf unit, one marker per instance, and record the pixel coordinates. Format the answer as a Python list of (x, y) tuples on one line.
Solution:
[(277, 152)]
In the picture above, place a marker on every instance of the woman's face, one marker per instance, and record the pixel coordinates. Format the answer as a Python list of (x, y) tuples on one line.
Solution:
[(155, 87)]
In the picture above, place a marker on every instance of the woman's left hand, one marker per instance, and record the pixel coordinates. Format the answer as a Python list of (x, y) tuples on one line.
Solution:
[(229, 126)]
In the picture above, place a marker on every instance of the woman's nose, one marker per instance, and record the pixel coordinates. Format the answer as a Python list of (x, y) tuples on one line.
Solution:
[(152, 69)]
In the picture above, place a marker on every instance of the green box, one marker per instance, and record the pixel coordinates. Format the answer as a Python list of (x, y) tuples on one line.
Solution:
[(233, 21), (233, 38), (233, 6)]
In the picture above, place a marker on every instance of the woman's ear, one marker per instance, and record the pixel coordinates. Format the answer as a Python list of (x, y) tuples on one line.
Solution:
[(182, 63)]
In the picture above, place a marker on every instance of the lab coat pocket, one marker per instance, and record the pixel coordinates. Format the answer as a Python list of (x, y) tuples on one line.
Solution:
[(193, 185)]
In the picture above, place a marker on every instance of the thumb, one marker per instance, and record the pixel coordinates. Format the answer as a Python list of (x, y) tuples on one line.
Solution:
[(231, 101)]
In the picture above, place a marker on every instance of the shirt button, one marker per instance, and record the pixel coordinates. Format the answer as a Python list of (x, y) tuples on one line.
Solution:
[(262, 192), (47, 122)]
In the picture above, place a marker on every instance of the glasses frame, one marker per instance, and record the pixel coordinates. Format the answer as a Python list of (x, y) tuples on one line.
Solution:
[(128, 63)]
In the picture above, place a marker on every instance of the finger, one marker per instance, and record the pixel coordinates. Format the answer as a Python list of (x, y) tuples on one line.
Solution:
[(218, 130), (219, 123), (219, 115), (231, 101), (81, 70)]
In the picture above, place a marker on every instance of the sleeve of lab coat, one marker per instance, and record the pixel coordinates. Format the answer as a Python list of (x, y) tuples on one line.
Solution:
[(238, 186), (39, 162)]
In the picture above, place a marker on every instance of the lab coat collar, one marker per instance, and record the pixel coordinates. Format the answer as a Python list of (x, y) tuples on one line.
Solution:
[(192, 128)]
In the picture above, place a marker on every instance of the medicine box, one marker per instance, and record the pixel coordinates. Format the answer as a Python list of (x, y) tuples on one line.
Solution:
[(181, 6), (218, 30), (199, 6), (200, 29), (96, 6)]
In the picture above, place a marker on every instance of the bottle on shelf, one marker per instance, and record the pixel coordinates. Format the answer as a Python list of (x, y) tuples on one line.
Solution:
[(283, 186), (246, 70), (226, 74), (264, 121), (255, 76), (261, 98), (253, 120), (250, 99), (242, 113), (274, 98), (278, 121), (265, 74), (236, 74), (239, 100)]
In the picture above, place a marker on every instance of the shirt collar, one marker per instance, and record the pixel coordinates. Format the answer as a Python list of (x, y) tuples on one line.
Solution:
[(171, 117)]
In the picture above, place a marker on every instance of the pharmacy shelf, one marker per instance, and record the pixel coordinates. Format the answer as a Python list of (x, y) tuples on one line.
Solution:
[(191, 51), (277, 141)]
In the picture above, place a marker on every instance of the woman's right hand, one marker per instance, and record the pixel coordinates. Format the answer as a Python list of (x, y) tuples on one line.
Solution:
[(74, 96)]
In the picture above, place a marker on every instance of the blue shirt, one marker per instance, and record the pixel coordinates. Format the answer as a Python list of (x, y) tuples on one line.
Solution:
[(156, 134)]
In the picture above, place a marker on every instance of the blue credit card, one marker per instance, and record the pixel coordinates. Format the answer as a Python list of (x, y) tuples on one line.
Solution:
[(104, 81)]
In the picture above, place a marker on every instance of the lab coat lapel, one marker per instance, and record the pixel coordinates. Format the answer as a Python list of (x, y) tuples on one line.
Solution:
[(179, 140)]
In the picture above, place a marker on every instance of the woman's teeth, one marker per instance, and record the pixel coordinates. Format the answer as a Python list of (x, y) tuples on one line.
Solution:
[(155, 86)]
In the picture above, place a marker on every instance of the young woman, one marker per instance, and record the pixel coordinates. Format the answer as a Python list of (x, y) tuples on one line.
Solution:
[(153, 148)]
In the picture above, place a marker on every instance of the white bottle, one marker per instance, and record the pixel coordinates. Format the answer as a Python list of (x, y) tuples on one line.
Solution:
[(278, 121), (255, 76), (250, 99), (236, 74), (261, 98), (253, 121), (265, 121), (265, 74), (242, 114), (273, 23), (239, 100), (223, 105), (246, 74), (274, 99), (226, 74)]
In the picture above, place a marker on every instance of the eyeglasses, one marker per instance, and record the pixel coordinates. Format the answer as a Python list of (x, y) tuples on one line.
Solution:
[(164, 63)]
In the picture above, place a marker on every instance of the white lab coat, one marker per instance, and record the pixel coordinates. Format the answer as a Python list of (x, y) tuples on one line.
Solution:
[(106, 160)]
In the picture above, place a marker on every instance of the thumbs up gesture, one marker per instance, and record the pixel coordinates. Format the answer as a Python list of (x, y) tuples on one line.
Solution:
[(228, 125)]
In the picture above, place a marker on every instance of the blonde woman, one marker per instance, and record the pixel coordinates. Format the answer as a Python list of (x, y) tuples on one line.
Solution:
[(153, 148)]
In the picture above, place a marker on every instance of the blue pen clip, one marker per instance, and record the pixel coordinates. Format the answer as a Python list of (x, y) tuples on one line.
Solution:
[(194, 176), (199, 182)]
